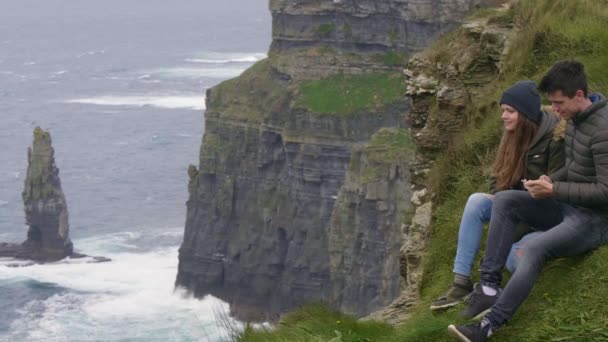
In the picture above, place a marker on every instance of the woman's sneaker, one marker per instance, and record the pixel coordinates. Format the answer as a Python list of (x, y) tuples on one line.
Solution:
[(456, 294)]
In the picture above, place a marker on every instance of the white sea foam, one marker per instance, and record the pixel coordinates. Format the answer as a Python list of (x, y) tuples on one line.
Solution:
[(162, 101), (91, 53), (130, 297), (186, 72), (223, 58)]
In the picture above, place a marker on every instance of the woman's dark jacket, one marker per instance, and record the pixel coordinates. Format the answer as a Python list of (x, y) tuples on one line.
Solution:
[(546, 154)]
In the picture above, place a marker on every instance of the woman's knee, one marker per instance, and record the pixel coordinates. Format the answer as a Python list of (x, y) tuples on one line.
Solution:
[(478, 199), (478, 204)]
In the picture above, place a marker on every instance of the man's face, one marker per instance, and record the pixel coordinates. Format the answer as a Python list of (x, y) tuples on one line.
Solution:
[(566, 106)]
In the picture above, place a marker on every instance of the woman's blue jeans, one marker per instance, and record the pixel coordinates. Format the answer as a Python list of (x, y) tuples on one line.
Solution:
[(477, 211)]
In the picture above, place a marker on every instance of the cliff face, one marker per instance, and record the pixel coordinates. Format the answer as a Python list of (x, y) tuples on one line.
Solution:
[(292, 202), (362, 27), (262, 199), (365, 232), (365, 25)]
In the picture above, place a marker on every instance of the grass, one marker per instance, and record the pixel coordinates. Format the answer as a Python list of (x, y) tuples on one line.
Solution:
[(346, 95), (253, 95), (386, 147), (392, 58), (318, 323), (324, 30), (570, 299)]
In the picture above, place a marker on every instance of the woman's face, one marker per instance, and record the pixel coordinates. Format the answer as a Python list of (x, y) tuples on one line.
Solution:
[(509, 117)]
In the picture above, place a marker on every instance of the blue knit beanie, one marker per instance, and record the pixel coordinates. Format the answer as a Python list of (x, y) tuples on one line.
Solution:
[(524, 97)]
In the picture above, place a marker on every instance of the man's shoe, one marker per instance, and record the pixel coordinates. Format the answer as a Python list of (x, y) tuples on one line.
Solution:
[(456, 294), (479, 303), (479, 332)]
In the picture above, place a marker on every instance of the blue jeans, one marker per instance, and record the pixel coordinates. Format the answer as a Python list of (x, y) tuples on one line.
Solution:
[(477, 211)]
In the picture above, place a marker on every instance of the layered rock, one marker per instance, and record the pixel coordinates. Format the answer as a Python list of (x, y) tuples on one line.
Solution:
[(365, 232), (262, 198), (292, 205), (46, 212), (445, 81), (304, 31)]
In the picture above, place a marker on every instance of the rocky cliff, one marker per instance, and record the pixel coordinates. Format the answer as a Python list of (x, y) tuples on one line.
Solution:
[(303, 31), (300, 194)]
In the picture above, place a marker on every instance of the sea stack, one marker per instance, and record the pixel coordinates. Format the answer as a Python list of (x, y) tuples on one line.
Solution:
[(46, 211)]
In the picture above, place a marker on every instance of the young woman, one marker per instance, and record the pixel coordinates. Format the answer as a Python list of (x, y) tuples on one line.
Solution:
[(531, 146)]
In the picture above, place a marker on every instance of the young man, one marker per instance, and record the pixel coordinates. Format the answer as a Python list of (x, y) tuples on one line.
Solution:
[(571, 206)]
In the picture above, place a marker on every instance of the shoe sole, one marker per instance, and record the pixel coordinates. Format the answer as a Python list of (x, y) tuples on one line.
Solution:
[(454, 332), (444, 306)]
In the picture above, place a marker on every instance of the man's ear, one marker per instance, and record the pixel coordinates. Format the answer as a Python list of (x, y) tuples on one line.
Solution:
[(579, 94)]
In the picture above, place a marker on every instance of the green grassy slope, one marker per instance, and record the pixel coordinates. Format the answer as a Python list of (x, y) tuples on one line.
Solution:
[(570, 300)]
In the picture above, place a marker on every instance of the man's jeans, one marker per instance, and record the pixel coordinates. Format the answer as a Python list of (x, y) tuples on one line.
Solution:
[(568, 231)]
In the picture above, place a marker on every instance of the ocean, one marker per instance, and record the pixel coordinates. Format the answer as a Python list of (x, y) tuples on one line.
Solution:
[(120, 86)]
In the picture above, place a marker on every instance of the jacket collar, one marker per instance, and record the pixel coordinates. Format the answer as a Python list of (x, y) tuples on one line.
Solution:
[(595, 106)]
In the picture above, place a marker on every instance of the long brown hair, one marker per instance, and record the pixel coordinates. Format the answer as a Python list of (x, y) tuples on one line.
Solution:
[(510, 163)]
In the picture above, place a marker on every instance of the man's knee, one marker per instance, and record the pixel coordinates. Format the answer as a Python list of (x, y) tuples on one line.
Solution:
[(511, 198), (534, 253)]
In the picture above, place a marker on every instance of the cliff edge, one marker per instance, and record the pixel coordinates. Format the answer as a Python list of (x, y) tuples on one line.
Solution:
[(299, 192)]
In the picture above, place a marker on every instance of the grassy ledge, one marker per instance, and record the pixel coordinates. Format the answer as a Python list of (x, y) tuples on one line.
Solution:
[(345, 95)]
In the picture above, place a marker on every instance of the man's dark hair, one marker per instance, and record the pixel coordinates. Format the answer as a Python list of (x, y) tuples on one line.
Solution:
[(567, 76)]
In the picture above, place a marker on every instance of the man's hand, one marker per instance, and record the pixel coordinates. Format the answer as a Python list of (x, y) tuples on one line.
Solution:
[(540, 188)]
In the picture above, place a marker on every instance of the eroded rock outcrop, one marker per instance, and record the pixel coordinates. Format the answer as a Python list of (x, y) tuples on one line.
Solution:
[(444, 83), (46, 212)]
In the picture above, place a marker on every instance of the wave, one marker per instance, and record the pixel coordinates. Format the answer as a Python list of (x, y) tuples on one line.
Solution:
[(223, 58), (3, 203), (91, 53), (196, 102), (132, 293), (186, 72)]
